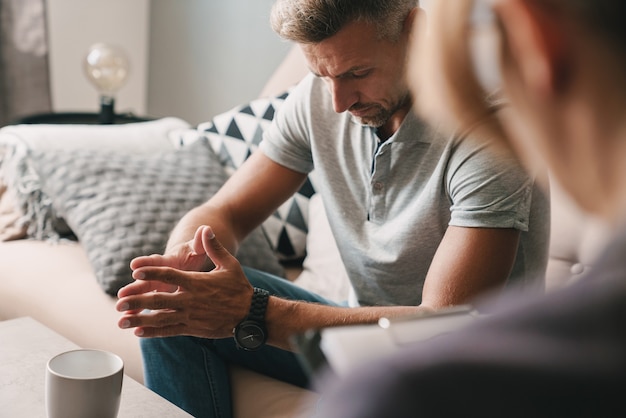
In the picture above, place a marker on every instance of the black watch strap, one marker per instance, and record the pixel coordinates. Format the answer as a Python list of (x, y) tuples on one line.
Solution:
[(258, 306)]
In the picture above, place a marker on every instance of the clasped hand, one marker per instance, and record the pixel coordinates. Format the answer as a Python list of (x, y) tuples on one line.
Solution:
[(170, 296)]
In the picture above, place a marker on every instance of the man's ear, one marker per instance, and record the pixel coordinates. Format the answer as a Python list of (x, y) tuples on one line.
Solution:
[(536, 42), (415, 14)]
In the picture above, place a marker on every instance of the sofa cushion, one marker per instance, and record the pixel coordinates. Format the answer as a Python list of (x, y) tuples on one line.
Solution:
[(259, 396), (576, 240), (234, 136), (121, 205), (140, 137), (22, 183), (53, 283), (10, 226), (323, 271)]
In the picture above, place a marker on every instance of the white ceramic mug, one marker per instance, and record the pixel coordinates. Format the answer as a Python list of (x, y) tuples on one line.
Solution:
[(84, 383)]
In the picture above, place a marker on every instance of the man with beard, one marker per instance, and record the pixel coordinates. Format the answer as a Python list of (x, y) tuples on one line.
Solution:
[(422, 219)]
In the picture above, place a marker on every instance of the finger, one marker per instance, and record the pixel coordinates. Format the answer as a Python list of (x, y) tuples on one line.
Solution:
[(196, 243), (154, 321), (120, 308), (165, 275), (161, 323), (215, 250), (168, 324), (135, 288), (170, 331), (154, 301), (148, 260)]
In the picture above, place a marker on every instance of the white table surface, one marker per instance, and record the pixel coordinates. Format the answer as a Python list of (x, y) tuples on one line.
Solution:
[(25, 348)]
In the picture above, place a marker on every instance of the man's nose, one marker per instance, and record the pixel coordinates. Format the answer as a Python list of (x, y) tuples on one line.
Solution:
[(343, 93)]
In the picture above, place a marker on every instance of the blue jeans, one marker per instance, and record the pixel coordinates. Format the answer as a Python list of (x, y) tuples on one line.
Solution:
[(193, 373)]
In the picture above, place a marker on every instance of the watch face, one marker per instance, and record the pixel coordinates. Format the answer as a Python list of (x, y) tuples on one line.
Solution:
[(250, 335)]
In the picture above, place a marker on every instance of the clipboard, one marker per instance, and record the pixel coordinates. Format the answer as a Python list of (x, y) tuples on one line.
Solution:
[(338, 350)]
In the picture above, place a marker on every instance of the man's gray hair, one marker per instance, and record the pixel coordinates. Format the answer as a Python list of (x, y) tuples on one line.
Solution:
[(312, 21)]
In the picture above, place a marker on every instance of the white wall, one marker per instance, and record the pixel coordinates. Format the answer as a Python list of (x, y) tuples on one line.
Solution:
[(426, 4), (73, 26), (190, 58), (207, 56)]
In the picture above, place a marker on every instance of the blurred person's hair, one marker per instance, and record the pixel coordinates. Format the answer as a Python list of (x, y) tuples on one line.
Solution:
[(445, 72), (443, 79), (440, 69), (605, 18), (446, 66), (312, 21)]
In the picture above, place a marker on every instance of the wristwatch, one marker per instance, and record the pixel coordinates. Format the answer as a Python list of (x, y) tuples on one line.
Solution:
[(251, 333)]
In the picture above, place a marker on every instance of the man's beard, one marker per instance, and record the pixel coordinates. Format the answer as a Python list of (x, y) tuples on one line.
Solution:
[(381, 115)]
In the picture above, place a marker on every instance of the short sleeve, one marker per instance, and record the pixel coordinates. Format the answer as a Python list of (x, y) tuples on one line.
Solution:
[(488, 187), (287, 141)]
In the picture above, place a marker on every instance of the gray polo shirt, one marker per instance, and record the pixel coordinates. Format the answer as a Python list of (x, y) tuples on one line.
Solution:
[(389, 203)]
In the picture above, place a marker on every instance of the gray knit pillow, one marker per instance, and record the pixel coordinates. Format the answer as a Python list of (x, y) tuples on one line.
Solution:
[(121, 205)]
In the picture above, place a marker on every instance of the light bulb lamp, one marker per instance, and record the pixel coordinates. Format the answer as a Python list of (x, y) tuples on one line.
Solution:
[(107, 68)]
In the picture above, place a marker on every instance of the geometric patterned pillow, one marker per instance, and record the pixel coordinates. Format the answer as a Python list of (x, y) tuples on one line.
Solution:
[(122, 205), (234, 136)]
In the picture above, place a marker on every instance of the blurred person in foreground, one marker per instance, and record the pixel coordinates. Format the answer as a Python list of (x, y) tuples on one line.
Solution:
[(561, 65)]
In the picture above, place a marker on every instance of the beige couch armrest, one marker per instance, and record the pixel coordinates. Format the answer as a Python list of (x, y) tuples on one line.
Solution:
[(576, 240), (289, 72)]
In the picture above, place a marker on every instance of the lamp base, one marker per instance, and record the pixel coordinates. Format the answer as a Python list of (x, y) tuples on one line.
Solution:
[(78, 118), (107, 110)]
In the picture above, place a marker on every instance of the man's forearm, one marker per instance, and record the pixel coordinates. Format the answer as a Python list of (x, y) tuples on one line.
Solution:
[(205, 214), (285, 318)]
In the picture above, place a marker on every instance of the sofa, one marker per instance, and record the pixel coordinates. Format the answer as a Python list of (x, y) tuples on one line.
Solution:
[(58, 272)]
